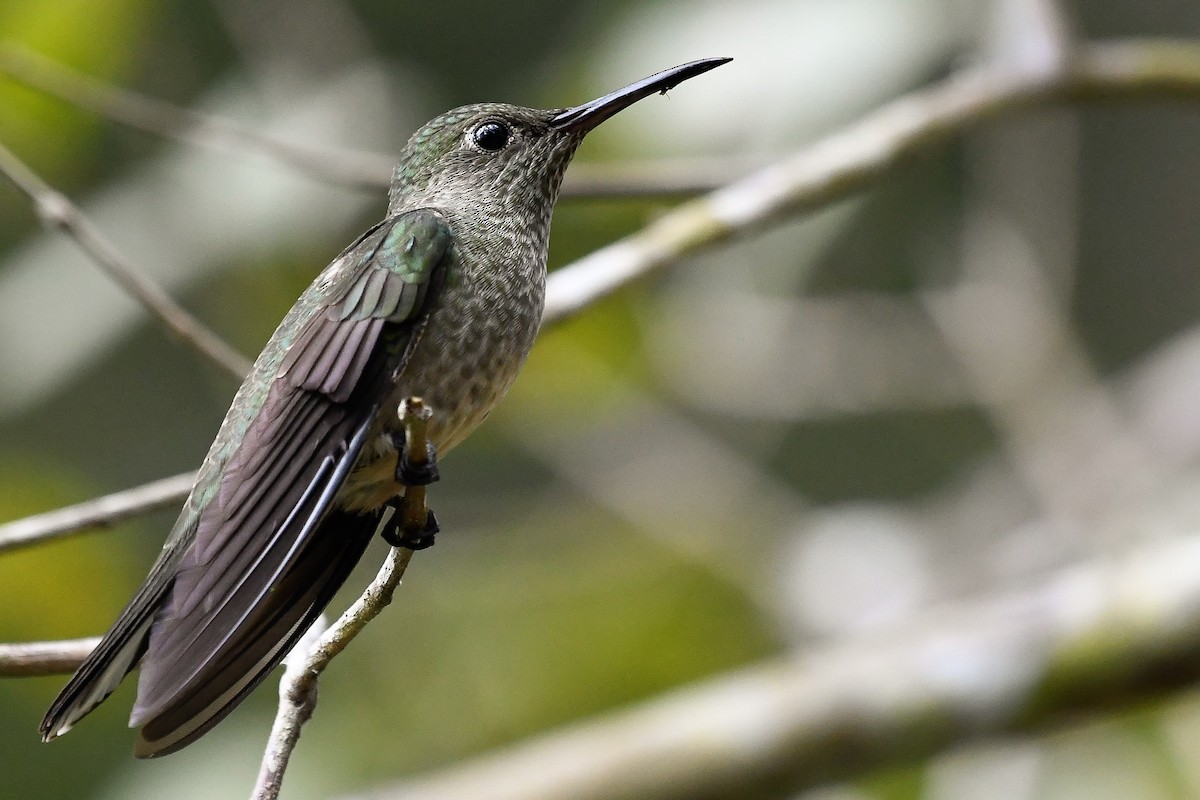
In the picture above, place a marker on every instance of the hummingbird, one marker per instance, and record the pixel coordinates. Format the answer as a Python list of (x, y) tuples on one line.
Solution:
[(441, 300)]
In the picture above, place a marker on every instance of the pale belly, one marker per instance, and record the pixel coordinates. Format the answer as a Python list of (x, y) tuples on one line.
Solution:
[(460, 377)]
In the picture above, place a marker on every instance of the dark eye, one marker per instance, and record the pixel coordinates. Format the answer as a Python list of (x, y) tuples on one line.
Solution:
[(491, 136)]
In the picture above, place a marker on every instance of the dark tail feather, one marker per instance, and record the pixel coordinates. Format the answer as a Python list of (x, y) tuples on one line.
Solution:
[(117, 653), (243, 662)]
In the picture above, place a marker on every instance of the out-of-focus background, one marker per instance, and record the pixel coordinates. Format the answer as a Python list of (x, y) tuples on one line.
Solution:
[(979, 371)]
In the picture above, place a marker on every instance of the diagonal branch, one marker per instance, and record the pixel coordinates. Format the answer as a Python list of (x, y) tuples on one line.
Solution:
[(100, 512), (298, 687), (1093, 638), (340, 167), (56, 211), (855, 157)]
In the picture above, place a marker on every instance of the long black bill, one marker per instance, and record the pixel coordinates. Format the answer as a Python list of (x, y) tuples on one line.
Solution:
[(584, 117)]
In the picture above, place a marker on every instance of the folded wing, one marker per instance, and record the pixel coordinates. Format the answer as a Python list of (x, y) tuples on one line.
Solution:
[(270, 546)]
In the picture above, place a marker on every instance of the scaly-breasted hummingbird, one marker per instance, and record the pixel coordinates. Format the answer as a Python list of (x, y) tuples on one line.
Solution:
[(441, 300)]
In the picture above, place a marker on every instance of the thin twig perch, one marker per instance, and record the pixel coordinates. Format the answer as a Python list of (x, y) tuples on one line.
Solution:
[(298, 687)]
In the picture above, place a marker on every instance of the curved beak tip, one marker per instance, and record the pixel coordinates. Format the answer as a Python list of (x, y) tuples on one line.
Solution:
[(583, 118)]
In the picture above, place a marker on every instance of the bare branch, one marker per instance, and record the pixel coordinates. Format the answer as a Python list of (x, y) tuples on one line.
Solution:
[(1094, 638), (33, 659), (298, 687), (338, 166), (56, 211), (852, 159), (99, 512)]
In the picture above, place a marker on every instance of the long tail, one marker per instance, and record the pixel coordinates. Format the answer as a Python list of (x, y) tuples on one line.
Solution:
[(242, 662), (111, 660), (235, 667)]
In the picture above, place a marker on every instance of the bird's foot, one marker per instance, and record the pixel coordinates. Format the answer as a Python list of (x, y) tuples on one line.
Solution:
[(394, 534), (411, 474)]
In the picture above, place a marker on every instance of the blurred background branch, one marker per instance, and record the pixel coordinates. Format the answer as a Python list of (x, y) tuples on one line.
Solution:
[(333, 165), (370, 171), (1097, 637), (100, 512), (849, 160), (30, 659), (56, 211)]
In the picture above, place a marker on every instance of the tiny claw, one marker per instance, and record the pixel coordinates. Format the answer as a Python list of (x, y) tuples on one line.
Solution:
[(394, 535)]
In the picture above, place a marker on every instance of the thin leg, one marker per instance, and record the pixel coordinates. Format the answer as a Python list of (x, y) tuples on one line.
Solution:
[(411, 474)]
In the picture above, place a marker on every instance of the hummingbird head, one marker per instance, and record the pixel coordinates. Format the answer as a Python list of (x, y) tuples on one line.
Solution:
[(502, 161)]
